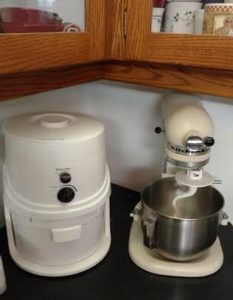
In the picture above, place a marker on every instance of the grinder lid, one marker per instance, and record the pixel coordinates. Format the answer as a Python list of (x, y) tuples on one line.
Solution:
[(52, 126)]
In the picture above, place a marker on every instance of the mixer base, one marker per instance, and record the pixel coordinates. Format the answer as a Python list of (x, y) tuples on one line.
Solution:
[(207, 264)]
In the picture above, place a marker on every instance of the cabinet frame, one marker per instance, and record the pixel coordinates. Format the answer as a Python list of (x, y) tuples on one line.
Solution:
[(36, 51), (203, 51), (117, 45)]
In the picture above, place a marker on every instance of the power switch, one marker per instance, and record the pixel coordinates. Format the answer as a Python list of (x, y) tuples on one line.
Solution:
[(65, 177)]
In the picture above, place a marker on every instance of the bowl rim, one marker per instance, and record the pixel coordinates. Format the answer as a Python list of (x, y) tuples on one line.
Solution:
[(157, 214)]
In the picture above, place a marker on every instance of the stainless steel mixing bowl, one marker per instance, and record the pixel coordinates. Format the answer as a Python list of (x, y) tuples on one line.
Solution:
[(183, 232)]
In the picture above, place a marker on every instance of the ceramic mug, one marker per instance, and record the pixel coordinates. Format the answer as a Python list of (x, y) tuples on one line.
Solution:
[(157, 16), (218, 19), (179, 16)]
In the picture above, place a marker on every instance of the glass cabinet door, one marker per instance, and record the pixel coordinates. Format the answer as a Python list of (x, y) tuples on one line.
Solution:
[(171, 16), (213, 17), (175, 42), (43, 34), (30, 16)]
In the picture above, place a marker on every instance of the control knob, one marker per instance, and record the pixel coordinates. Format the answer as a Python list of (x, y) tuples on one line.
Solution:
[(66, 194)]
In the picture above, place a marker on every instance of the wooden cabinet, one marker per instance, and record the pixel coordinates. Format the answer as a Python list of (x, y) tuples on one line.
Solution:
[(117, 45), (30, 52), (188, 63), (202, 51)]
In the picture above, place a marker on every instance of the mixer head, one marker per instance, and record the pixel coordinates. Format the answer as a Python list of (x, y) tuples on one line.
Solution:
[(188, 130), (189, 133)]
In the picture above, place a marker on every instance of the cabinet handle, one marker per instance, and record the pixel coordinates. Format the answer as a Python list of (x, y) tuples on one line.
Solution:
[(125, 19)]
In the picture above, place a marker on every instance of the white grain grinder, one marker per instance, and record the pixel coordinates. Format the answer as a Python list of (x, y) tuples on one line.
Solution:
[(56, 192), (175, 225)]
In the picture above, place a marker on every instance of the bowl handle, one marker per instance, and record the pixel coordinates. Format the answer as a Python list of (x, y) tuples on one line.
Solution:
[(148, 227)]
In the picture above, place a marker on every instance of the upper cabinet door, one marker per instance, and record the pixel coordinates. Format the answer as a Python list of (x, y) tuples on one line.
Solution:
[(40, 34), (196, 50)]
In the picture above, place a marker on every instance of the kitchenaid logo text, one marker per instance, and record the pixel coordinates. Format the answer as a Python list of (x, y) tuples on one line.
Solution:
[(186, 151)]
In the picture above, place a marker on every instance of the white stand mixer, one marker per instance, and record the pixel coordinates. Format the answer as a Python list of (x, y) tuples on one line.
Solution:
[(189, 135)]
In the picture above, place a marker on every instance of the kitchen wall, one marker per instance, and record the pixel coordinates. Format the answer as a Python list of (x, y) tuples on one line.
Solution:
[(130, 114)]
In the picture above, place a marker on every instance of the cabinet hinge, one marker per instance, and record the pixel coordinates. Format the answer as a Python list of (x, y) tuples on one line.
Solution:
[(125, 19)]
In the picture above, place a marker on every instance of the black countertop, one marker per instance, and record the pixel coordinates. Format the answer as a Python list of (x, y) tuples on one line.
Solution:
[(116, 277)]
